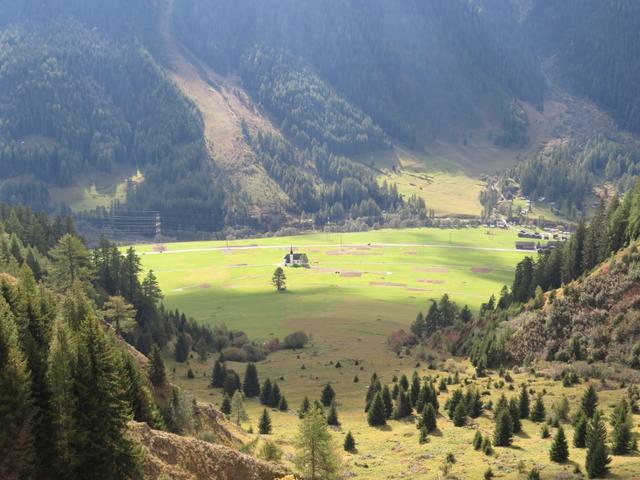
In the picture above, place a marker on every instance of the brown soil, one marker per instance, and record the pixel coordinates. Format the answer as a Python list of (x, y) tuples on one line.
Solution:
[(481, 269), (350, 274), (433, 282), (205, 285), (222, 103), (186, 458), (414, 289)]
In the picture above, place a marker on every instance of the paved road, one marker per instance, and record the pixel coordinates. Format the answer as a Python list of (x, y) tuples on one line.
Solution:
[(329, 245)]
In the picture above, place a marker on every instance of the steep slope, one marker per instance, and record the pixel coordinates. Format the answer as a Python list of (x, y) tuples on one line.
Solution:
[(223, 105), (417, 69), (186, 458)]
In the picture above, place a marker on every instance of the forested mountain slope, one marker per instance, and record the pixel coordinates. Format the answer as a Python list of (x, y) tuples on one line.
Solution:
[(77, 400), (415, 68), (246, 114)]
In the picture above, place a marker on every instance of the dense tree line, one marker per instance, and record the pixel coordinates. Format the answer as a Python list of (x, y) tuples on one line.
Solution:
[(75, 101), (596, 48), (68, 388), (348, 189), (566, 173), (308, 110)]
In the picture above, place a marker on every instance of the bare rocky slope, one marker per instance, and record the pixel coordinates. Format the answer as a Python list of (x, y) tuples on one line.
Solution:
[(185, 458)]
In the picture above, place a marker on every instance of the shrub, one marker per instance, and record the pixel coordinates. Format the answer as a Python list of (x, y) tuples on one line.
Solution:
[(295, 340)]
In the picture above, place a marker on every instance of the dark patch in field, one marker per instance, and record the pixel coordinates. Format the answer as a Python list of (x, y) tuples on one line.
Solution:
[(238, 265), (415, 289), (433, 282), (205, 285)]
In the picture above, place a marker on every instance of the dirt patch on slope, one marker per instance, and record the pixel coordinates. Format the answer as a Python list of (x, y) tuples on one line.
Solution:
[(223, 104)]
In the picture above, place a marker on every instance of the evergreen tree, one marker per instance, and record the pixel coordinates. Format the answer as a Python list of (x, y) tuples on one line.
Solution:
[(428, 419), (456, 398), (349, 443), (231, 382), (265, 392), (101, 448), (120, 314), (328, 395), (225, 406), (503, 432), (559, 451), (316, 457), (157, 372), (403, 405), (304, 407), (621, 436), (404, 382), (238, 413), (473, 402), (264, 427), (16, 405), (388, 402), (487, 447), (589, 401), (544, 431), (182, 348), (597, 461), (274, 398), (424, 436), (377, 414), (580, 430), (137, 393), (415, 388), (514, 411), (460, 415), (283, 406), (538, 412), (332, 417), (279, 279), (524, 402), (477, 440), (218, 374), (70, 263), (251, 385)]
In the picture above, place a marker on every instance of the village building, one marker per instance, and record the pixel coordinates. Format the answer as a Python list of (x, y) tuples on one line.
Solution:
[(296, 259)]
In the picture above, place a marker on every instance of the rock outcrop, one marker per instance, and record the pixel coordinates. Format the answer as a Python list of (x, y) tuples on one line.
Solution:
[(185, 458)]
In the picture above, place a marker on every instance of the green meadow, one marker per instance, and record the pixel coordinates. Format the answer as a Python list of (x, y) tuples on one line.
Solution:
[(359, 288), (355, 281)]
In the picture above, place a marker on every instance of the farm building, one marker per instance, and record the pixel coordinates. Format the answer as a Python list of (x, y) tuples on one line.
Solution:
[(526, 245), (291, 259)]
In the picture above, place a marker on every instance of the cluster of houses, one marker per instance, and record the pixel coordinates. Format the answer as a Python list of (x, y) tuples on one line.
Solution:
[(555, 237)]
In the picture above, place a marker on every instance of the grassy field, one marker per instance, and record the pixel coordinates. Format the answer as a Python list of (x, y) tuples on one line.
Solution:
[(91, 191), (360, 287), (358, 284)]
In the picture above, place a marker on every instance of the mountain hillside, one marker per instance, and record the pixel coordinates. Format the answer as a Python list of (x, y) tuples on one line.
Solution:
[(254, 116)]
